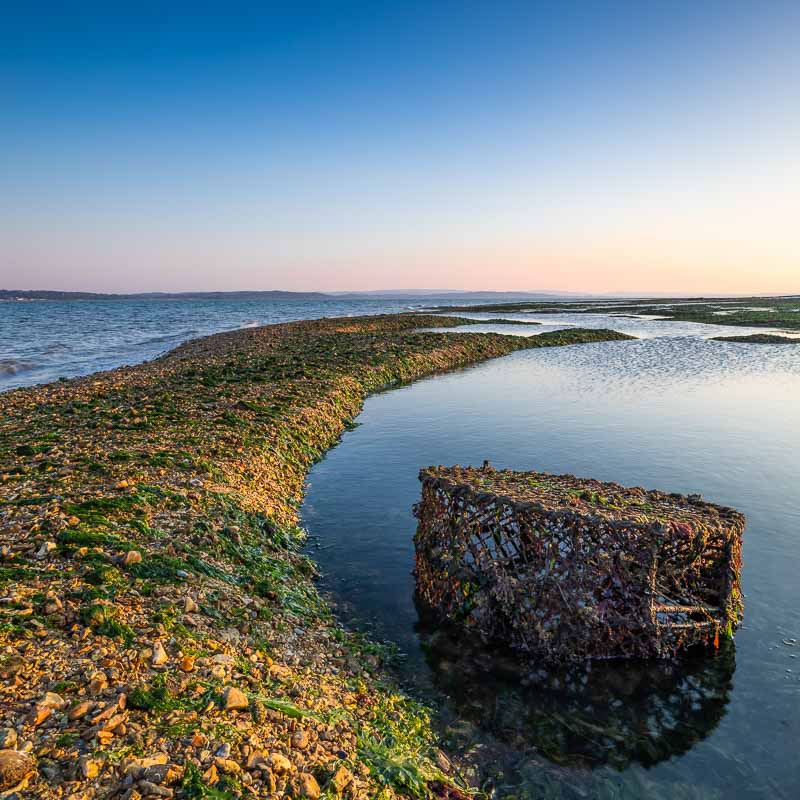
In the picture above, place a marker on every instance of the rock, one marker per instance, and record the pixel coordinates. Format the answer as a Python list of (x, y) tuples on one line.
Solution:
[(45, 550), (279, 763), (199, 739), (80, 710), (256, 760), (149, 789), (182, 574), (160, 656), (227, 765), (341, 779), (106, 713), (211, 775), (115, 723), (307, 786), (137, 766), (90, 767), (159, 773), (14, 768), (234, 699), (280, 673), (300, 739), (224, 751), (131, 557), (97, 683), (189, 606), (8, 739), (187, 663), (39, 715), (53, 700)]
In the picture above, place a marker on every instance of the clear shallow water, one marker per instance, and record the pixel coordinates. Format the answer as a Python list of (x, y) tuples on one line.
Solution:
[(672, 411), (45, 340)]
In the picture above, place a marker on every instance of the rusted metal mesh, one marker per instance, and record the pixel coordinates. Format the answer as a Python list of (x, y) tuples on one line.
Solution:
[(564, 567)]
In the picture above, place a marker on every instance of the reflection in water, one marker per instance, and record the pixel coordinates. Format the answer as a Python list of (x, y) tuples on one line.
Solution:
[(582, 715)]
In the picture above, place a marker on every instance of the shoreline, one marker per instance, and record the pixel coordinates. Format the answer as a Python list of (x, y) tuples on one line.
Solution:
[(160, 632)]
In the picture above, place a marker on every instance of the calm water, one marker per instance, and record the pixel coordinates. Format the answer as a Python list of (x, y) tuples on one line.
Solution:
[(45, 340), (672, 411)]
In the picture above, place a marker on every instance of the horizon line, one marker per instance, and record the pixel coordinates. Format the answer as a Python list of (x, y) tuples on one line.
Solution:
[(422, 291)]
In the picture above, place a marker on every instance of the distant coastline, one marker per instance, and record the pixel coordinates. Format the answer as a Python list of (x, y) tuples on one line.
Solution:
[(412, 295), (494, 300), (14, 295)]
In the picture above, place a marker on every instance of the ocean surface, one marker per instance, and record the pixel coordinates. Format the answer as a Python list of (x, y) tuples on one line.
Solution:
[(43, 340), (673, 411)]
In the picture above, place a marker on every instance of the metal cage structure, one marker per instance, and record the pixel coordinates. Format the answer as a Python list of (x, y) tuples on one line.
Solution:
[(561, 567)]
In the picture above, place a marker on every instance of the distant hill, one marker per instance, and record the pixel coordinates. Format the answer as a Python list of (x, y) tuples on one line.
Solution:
[(40, 294), (388, 294), (452, 294)]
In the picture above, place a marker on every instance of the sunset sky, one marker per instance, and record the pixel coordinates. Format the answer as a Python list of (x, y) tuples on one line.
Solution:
[(594, 146)]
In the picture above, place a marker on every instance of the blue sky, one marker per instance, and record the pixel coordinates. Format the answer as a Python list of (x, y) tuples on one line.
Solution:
[(598, 146)]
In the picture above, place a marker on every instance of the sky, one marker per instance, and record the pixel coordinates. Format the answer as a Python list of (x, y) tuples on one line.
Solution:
[(576, 146)]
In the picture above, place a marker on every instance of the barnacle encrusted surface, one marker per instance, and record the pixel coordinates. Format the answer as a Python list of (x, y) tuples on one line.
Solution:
[(566, 567)]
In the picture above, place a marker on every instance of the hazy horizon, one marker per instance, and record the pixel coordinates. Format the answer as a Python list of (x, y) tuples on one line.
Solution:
[(411, 292), (596, 147)]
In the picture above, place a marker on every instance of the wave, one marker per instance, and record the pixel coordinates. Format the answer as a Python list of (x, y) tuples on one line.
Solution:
[(167, 337), (55, 347), (13, 366), (251, 323)]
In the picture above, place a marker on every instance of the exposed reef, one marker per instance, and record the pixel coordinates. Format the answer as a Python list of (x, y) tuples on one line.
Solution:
[(760, 312), (759, 338)]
